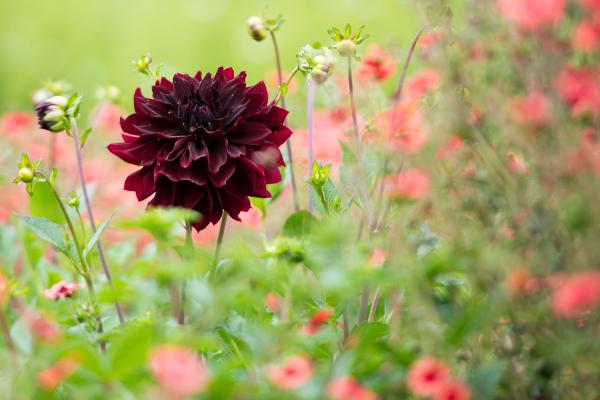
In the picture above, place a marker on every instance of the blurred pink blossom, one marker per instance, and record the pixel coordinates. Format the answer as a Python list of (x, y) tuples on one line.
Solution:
[(347, 388), (54, 375), (580, 89), (425, 375), (376, 65), (316, 321), (532, 14), (452, 389), (179, 370), (62, 289), (577, 294), (533, 110), (293, 373), (411, 184)]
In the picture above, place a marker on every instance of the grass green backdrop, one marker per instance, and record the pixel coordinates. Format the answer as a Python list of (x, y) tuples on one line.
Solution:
[(92, 42)]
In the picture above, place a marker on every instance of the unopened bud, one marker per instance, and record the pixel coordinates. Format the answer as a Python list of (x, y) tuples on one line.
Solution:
[(51, 113), (256, 28), (26, 174), (322, 69), (346, 48), (143, 63), (74, 201)]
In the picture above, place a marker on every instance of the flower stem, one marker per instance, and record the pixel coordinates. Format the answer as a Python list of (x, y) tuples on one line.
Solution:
[(10, 344), (357, 142), (310, 110), (52, 151), (189, 245), (84, 269), (219, 244), (75, 133), (287, 143)]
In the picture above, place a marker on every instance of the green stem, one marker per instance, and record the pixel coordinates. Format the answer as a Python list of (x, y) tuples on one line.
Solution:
[(219, 244), (189, 245)]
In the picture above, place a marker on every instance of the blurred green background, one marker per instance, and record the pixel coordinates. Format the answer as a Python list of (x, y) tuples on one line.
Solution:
[(91, 43)]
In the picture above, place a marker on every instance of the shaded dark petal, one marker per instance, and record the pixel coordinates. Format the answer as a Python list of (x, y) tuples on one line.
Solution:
[(165, 192), (174, 171), (217, 152), (250, 133), (279, 137), (225, 172), (182, 86), (235, 150), (257, 98), (141, 182)]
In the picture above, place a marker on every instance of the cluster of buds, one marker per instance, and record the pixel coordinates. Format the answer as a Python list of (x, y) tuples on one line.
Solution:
[(317, 63), (144, 66), (27, 171), (347, 43), (259, 27), (51, 88)]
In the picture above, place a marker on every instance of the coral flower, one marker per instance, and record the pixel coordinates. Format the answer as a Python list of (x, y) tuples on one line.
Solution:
[(273, 302), (54, 375), (346, 388), (580, 89), (533, 110), (205, 143), (409, 132), (425, 376), (14, 123), (62, 289), (452, 390), (410, 184), (578, 294), (422, 84), (376, 66), (520, 282), (377, 258), (593, 5), (179, 370), (532, 14), (316, 321), (42, 327), (293, 373), (586, 36)]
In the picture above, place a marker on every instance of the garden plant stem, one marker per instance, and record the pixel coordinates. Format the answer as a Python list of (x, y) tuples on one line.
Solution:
[(310, 110), (86, 198), (287, 143), (189, 245), (219, 243)]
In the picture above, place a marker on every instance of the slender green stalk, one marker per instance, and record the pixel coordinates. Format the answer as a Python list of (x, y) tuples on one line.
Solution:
[(288, 144), (7, 338), (75, 133), (213, 269), (189, 245), (357, 141), (310, 110)]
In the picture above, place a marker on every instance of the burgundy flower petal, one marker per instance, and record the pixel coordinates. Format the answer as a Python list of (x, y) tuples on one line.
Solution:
[(206, 142)]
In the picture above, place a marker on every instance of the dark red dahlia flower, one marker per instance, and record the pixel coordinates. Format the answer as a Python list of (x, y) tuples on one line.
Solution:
[(204, 143)]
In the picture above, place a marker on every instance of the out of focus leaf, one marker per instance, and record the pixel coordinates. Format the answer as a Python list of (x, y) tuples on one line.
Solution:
[(299, 224), (94, 239), (46, 230), (484, 380)]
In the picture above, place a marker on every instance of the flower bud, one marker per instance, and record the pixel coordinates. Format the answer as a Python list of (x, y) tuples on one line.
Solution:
[(143, 63), (346, 48), (256, 28), (51, 113), (322, 69), (74, 200), (26, 174)]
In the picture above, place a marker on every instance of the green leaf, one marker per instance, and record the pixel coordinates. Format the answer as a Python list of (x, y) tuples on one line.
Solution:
[(484, 380), (43, 203), (129, 352), (46, 230), (284, 88), (84, 137), (348, 31), (299, 224), (96, 236), (348, 156)]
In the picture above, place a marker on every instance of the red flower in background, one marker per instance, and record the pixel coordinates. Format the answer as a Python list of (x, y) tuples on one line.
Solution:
[(54, 375), (425, 375), (14, 123), (205, 143), (580, 89), (315, 322), (376, 66), (577, 294), (532, 14), (346, 388), (586, 36), (452, 390), (179, 370), (410, 184), (295, 372), (593, 5), (534, 110)]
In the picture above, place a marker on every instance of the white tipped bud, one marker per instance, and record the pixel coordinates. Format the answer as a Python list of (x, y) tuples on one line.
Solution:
[(346, 48), (256, 28)]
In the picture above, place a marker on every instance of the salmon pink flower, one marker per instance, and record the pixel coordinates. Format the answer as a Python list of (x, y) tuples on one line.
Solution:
[(42, 327), (577, 294), (452, 389), (206, 143), (376, 66), (580, 89), (293, 373), (425, 375), (54, 375), (532, 14), (409, 131), (452, 146), (410, 184), (316, 321), (422, 84), (179, 370), (273, 302), (107, 118), (377, 258), (14, 123), (586, 36), (520, 282), (62, 289), (592, 5), (516, 163), (533, 110), (347, 388)]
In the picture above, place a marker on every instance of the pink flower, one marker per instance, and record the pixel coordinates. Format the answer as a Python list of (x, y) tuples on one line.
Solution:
[(54, 375), (452, 389), (346, 388), (273, 302), (593, 5), (577, 294), (410, 184), (425, 376), (452, 146), (534, 109), (422, 84), (376, 66), (107, 118), (580, 89), (62, 289), (586, 36), (532, 14), (293, 373), (316, 321), (179, 370), (42, 327), (516, 163), (15, 123), (520, 282), (377, 258), (409, 131)]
